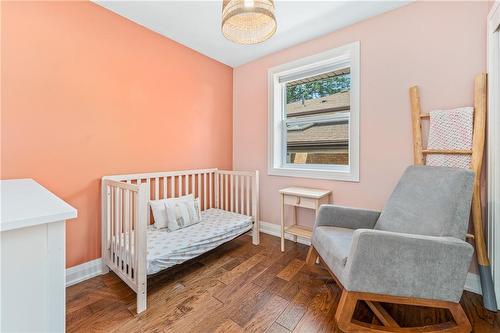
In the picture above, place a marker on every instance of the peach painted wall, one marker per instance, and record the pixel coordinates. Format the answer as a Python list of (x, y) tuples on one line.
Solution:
[(87, 93), (439, 46)]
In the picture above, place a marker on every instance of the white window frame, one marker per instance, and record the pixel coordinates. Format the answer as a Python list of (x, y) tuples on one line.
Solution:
[(343, 56)]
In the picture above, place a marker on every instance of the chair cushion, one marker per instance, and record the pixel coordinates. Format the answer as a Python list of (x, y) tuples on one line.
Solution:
[(432, 201), (333, 245)]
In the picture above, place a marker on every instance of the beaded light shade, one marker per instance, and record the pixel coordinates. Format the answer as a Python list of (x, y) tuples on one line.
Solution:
[(248, 21)]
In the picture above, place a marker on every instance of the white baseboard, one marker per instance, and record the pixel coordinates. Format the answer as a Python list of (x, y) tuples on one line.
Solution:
[(83, 272), (275, 230), (472, 283)]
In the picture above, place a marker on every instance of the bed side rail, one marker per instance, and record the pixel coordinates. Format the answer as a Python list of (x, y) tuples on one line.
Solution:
[(172, 184)]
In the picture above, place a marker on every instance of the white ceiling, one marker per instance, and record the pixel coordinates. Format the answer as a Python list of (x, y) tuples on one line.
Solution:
[(196, 24)]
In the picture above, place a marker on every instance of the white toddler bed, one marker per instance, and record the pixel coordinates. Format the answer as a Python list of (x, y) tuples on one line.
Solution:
[(133, 248)]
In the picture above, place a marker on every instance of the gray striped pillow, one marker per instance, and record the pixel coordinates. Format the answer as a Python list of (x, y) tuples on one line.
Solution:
[(182, 212)]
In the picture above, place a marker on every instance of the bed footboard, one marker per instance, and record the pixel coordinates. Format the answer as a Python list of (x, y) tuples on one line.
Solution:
[(124, 229)]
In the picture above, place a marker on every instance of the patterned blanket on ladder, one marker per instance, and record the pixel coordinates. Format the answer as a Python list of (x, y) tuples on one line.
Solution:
[(450, 129)]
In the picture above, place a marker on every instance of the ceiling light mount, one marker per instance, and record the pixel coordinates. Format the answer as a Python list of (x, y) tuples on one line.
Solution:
[(248, 21)]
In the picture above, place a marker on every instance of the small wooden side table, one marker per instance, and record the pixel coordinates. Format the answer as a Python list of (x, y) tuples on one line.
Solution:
[(300, 197)]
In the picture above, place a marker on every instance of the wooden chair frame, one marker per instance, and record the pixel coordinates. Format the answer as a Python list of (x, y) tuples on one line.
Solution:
[(349, 299), (477, 152)]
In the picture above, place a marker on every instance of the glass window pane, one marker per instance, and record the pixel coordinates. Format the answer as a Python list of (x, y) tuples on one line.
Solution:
[(310, 141), (319, 94), (318, 143)]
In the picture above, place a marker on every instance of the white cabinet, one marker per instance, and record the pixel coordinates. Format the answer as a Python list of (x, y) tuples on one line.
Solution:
[(32, 231)]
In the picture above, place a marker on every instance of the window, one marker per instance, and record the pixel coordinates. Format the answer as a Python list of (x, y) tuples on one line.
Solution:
[(314, 116)]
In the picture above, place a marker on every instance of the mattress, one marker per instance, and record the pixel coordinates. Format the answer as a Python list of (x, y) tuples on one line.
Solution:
[(166, 249)]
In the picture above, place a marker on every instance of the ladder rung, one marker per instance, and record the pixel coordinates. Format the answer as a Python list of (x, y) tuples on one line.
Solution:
[(424, 115), (447, 151)]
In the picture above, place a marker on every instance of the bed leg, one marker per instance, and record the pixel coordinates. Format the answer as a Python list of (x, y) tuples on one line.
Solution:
[(104, 268), (141, 298), (141, 246), (256, 234), (255, 209)]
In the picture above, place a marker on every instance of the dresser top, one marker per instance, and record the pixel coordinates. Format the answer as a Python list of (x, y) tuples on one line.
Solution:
[(305, 192), (26, 203)]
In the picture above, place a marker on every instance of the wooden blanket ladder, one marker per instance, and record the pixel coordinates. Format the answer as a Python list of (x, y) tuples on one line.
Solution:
[(478, 138)]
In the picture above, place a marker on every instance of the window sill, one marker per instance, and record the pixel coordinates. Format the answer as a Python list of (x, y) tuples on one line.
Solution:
[(349, 176)]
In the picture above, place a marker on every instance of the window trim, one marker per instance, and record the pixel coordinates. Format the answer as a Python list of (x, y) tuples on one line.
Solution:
[(344, 55)]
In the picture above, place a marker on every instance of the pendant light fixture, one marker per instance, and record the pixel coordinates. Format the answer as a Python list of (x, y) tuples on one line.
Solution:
[(248, 21)]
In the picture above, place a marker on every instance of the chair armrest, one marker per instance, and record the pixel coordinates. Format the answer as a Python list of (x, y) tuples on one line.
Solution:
[(400, 264), (345, 217)]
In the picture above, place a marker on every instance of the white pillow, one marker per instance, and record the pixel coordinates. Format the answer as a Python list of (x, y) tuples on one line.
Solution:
[(159, 213), (197, 207), (182, 212)]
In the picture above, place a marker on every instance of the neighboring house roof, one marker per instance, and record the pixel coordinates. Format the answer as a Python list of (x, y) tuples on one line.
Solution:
[(318, 134), (336, 102), (322, 76)]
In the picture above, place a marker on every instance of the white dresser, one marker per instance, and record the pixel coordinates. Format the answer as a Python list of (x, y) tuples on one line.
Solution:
[(32, 230)]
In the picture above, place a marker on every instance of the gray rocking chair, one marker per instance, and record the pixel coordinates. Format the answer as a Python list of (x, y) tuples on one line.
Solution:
[(413, 252)]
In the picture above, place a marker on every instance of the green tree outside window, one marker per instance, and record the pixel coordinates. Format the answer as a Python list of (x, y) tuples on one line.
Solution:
[(317, 89)]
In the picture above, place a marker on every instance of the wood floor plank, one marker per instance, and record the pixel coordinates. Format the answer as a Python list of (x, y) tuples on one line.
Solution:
[(482, 320), (276, 285), (229, 326), (290, 289), (302, 281), (269, 278), (318, 316), (291, 269), (248, 277), (277, 328), (164, 307), (202, 278), (193, 322), (247, 250), (192, 297), (233, 263), (103, 315), (295, 310), (213, 320), (190, 314), (246, 265), (249, 307), (270, 273), (266, 315)]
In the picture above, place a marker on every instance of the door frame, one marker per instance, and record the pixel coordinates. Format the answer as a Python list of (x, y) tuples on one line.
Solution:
[(493, 166)]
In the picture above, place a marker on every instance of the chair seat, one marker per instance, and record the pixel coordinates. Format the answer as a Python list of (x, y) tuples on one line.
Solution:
[(333, 245)]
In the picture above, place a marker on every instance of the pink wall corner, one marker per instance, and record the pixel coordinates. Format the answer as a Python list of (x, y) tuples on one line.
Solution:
[(88, 93), (440, 46)]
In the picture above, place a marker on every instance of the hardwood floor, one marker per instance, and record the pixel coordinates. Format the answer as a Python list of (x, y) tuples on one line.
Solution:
[(238, 287)]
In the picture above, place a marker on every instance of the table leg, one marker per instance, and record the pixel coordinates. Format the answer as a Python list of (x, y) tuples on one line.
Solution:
[(316, 215), (294, 221), (282, 223)]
